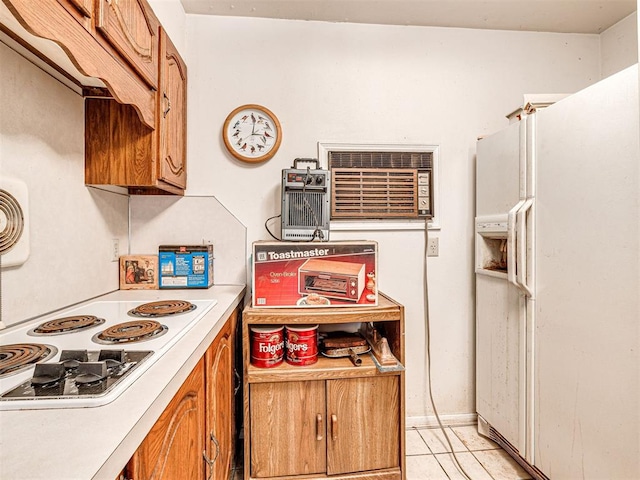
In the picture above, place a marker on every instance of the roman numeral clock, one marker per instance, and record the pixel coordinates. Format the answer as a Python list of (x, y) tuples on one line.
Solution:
[(252, 133)]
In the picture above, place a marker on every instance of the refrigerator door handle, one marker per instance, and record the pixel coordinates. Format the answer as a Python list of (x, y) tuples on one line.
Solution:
[(511, 243), (521, 248)]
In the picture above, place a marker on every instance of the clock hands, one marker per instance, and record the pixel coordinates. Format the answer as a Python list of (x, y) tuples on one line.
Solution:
[(260, 128)]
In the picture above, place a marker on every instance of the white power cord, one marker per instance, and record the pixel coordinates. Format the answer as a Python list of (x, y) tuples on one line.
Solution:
[(427, 331)]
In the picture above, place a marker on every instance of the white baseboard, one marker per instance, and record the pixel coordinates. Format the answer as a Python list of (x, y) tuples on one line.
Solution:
[(457, 420)]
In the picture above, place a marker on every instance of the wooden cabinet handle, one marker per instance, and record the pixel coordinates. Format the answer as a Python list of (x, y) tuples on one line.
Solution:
[(209, 462), (319, 427), (168, 103), (238, 382), (334, 427)]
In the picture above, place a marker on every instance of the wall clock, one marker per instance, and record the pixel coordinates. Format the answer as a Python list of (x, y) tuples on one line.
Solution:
[(252, 133)]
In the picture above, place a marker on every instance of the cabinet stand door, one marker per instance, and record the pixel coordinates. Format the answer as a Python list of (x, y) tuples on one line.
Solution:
[(363, 431), (287, 434)]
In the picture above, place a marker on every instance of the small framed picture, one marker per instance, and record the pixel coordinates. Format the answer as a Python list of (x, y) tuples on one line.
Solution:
[(139, 272)]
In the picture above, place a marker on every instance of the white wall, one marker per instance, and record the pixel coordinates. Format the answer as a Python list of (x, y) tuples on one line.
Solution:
[(191, 220), (363, 83), (71, 226), (619, 46), (173, 19)]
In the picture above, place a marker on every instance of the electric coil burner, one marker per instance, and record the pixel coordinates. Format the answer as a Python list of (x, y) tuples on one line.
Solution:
[(17, 357), (161, 308), (60, 326), (130, 332)]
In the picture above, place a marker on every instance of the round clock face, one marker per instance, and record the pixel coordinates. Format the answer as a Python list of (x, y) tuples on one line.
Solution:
[(252, 133)]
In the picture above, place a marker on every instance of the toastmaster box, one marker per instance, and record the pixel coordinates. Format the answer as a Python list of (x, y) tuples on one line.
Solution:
[(188, 266), (314, 274)]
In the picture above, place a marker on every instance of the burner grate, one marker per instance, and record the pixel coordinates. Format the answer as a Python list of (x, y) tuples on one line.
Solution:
[(162, 308), (64, 325), (19, 356), (130, 332)]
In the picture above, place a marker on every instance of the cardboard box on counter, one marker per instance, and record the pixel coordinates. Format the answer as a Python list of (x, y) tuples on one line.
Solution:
[(314, 274), (186, 266)]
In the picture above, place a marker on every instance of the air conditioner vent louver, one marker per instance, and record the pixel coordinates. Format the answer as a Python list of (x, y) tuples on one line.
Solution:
[(374, 192), (347, 159)]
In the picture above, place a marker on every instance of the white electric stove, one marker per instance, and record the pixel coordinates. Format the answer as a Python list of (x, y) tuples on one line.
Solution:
[(88, 355)]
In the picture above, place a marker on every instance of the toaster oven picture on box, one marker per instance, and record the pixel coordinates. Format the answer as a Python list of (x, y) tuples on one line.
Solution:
[(314, 274), (331, 278)]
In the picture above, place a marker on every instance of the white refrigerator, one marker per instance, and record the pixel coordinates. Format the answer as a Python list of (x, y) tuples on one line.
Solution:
[(558, 285)]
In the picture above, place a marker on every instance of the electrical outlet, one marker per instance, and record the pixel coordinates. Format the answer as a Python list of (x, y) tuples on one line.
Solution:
[(115, 250), (432, 247)]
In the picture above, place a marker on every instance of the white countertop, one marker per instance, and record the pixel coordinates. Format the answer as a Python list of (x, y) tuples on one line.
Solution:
[(97, 442)]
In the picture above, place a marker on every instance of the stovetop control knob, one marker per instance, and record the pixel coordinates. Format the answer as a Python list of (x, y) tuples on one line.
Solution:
[(47, 374), (91, 372), (73, 358)]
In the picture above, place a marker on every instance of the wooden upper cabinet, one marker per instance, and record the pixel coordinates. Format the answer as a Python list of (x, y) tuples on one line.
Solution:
[(132, 30), (72, 24), (172, 112), (119, 150), (136, 131)]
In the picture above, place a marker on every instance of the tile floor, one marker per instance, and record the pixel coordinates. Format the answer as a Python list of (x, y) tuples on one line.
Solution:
[(429, 456)]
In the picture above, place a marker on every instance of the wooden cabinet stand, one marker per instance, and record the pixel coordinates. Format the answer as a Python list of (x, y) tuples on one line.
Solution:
[(330, 419)]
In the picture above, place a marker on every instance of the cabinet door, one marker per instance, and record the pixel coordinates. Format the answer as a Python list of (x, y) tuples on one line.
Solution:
[(131, 29), (172, 108), (219, 381), (287, 428), (363, 431), (173, 448)]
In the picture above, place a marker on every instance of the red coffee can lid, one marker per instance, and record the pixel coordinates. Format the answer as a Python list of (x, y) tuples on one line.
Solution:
[(302, 328), (269, 329)]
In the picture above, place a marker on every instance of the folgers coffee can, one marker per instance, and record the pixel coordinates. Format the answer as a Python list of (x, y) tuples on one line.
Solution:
[(267, 346), (301, 344)]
